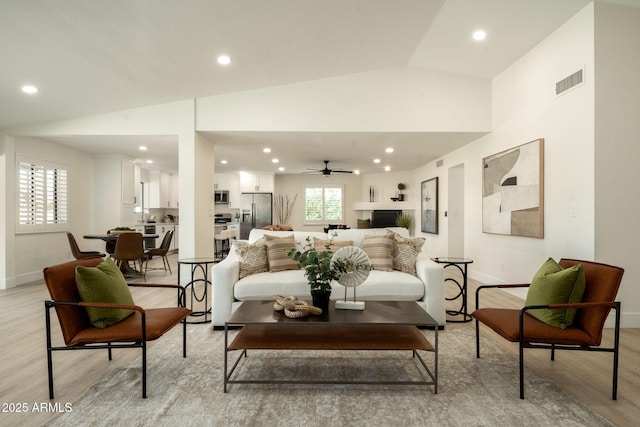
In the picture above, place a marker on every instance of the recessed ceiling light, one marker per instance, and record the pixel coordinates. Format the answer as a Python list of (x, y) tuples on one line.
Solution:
[(389, 150), (357, 171), (224, 60), (149, 161), (266, 150), (376, 160), (142, 148), (387, 168), (224, 162), (281, 169), (29, 89), (274, 160), (479, 35)]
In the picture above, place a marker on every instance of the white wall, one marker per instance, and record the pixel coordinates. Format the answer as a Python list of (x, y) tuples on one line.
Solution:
[(27, 254), (617, 147), (175, 118), (525, 108), (290, 185), (395, 99)]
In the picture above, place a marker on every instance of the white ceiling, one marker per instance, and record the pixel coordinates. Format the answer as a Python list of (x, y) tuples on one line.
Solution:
[(88, 57)]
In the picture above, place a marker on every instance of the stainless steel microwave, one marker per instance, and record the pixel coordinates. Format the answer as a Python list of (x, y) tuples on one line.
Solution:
[(221, 197)]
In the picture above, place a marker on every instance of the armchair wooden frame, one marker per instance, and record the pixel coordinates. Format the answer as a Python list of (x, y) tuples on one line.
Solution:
[(529, 332), (115, 336)]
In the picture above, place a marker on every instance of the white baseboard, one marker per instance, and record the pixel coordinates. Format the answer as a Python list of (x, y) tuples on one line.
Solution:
[(21, 279)]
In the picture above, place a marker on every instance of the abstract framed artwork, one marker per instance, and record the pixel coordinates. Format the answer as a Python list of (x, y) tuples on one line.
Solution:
[(429, 205), (513, 191)]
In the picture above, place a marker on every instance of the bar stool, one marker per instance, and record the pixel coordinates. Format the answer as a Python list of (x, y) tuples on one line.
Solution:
[(224, 237)]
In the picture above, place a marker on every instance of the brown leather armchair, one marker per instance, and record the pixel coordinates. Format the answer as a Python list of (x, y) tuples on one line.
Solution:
[(602, 283), (132, 332)]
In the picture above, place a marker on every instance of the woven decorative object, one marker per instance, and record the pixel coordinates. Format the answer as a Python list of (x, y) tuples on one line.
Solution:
[(293, 308)]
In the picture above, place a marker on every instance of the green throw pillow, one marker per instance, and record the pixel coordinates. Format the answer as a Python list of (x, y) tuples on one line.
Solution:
[(554, 285), (104, 283)]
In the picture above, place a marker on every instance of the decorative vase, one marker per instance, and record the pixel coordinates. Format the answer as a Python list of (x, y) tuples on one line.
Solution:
[(320, 299), (400, 197)]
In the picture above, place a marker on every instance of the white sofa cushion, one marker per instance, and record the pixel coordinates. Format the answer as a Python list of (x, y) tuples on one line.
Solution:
[(380, 285), (384, 286), (262, 286)]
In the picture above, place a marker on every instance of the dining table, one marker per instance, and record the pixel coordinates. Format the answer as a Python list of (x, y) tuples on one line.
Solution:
[(125, 268)]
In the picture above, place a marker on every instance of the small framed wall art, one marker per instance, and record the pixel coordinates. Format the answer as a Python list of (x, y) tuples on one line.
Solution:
[(513, 191), (429, 205)]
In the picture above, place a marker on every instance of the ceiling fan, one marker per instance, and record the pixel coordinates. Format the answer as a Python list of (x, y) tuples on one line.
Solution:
[(326, 171)]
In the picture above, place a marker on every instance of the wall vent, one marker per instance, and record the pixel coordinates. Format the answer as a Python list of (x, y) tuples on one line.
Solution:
[(439, 163), (569, 82)]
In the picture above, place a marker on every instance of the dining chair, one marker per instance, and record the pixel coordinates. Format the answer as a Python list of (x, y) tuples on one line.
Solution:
[(130, 248), (110, 246), (77, 253), (161, 252)]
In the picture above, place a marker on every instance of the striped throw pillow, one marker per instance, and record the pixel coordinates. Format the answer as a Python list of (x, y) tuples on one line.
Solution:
[(321, 245), (278, 259), (379, 249)]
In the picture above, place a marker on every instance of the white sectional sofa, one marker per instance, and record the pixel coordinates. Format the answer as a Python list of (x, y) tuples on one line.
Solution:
[(426, 287)]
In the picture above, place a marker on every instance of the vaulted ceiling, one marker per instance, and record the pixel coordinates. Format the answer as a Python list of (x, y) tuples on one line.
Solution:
[(89, 57)]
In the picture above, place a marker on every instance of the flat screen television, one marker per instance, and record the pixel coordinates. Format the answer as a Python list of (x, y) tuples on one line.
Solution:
[(386, 218)]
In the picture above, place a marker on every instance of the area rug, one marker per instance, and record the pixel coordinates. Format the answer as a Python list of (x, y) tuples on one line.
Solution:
[(189, 392)]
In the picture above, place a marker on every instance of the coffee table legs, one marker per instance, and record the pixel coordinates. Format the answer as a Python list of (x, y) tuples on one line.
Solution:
[(229, 371)]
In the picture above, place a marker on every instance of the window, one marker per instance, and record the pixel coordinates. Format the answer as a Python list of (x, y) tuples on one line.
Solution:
[(323, 204), (42, 196)]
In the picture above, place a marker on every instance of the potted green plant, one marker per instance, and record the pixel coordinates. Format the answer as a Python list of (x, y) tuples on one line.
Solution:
[(404, 220), (119, 230), (317, 270), (401, 187)]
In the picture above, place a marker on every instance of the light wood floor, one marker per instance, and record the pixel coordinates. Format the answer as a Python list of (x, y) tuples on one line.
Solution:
[(23, 368)]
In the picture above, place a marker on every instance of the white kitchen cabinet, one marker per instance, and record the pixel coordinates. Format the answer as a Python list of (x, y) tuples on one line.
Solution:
[(234, 192), (174, 241), (113, 192), (174, 200), (221, 182), (263, 183), (160, 189), (128, 187)]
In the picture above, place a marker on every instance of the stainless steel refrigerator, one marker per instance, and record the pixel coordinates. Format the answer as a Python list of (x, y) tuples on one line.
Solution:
[(257, 211)]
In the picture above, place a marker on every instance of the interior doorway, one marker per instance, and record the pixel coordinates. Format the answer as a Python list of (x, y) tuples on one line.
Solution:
[(456, 211)]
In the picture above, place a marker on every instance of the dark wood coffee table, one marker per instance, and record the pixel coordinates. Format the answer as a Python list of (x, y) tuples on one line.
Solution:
[(382, 325)]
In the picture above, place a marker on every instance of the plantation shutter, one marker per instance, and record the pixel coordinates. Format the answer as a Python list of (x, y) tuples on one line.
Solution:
[(32, 194), (313, 204), (42, 196), (323, 204), (333, 204)]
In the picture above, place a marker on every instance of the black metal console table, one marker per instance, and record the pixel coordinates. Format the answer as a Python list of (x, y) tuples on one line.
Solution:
[(196, 265), (461, 265)]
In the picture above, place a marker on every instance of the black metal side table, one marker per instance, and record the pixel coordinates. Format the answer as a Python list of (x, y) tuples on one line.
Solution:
[(461, 265), (196, 265)]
